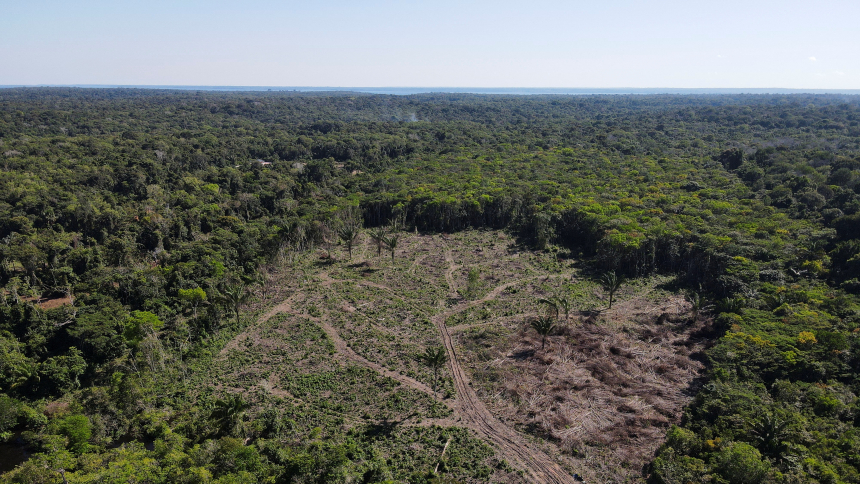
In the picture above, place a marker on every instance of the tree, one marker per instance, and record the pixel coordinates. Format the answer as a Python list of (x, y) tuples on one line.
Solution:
[(78, 429), (139, 325), (695, 301), (227, 413), (63, 371), (435, 359), (234, 296), (391, 242), (348, 233), (472, 282), (741, 463), (378, 236), (731, 305), (194, 297), (544, 326), (770, 430), (611, 283)]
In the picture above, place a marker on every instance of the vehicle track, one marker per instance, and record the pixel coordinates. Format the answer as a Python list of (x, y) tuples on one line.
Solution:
[(511, 445), (344, 349)]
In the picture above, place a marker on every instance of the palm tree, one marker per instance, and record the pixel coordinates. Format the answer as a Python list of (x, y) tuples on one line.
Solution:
[(776, 300), (378, 235), (234, 296), (611, 283), (695, 301), (391, 242), (435, 359), (348, 234), (731, 305), (544, 326), (228, 412), (770, 430), (565, 305)]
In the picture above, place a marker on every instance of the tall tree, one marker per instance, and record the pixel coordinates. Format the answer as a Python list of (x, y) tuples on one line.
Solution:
[(234, 295), (227, 413)]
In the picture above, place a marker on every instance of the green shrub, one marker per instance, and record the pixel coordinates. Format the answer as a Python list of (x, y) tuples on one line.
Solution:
[(78, 429), (741, 463), (670, 468)]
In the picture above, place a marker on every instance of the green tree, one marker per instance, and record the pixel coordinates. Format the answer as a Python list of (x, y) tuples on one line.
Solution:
[(696, 303), (435, 359), (16, 368), (472, 282), (544, 326), (731, 305), (227, 413), (770, 429), (378, 235), (78, 429), (611, 283), (64, 371), (140, 324), (9, 410), (741, 463), (555, 306), (195, 297), (234, 296), (349, 233), (391, 242)]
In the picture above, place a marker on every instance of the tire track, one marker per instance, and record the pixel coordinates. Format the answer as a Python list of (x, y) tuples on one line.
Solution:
[(510, 444)]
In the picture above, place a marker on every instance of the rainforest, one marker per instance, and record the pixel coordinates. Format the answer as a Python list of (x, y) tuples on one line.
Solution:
[(336, 287)]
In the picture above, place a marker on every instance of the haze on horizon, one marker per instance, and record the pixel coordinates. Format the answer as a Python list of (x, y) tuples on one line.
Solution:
[(544, 43)]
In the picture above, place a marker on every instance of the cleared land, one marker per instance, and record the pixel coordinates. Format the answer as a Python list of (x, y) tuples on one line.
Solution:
[(346, 336)]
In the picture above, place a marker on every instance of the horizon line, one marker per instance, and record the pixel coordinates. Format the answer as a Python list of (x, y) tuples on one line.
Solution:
[(450, 89)]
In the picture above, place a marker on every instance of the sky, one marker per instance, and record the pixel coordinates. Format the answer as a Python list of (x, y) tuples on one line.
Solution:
[(535, 43)]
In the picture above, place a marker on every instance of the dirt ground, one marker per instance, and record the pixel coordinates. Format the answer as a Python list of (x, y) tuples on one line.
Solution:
[(604, 397)]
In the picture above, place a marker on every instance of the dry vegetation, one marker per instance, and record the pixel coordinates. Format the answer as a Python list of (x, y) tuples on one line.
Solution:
[(604, 395)]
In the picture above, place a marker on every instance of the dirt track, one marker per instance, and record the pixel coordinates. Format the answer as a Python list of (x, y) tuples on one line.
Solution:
[(468, 408), (511, 445), (340, 345)]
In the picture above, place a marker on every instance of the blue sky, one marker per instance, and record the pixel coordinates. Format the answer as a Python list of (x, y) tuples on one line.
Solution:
[(539, 43)]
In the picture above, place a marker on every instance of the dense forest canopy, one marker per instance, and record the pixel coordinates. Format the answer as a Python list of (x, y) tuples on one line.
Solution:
[(135, 222)]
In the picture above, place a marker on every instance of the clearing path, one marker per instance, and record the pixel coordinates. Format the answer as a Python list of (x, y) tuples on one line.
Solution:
[(340, 345), (511, 445), (344, 349)]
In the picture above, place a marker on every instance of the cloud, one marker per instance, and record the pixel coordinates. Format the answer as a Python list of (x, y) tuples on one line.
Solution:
[(839, 73), (813, 59)]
